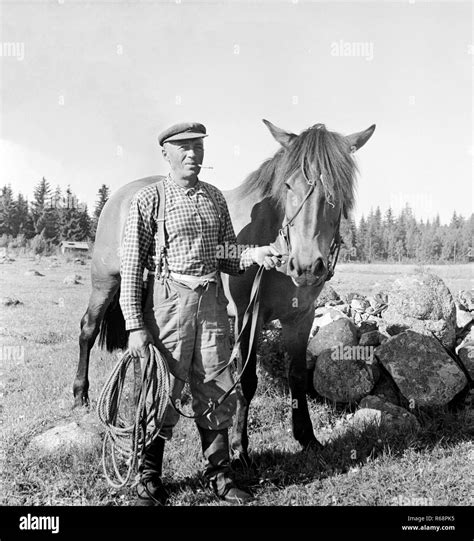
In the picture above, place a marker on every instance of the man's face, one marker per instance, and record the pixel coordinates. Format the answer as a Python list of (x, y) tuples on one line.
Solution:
[(184, 157)]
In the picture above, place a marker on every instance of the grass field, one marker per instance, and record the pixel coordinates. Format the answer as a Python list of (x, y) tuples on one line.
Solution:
[(374, 468)]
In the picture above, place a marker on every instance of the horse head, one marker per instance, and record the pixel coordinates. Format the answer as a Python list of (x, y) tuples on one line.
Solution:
[(314, 182)]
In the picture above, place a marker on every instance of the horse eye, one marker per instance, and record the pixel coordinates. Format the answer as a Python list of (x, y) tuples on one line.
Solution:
[(287, 186)]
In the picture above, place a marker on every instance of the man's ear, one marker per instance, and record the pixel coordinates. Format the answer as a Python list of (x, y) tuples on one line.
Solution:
[(165, 154)]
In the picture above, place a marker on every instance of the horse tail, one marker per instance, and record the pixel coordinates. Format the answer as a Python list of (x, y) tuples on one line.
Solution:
[(112, 334)]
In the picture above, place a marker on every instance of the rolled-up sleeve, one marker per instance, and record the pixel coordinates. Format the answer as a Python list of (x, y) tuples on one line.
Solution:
[(134, 254)]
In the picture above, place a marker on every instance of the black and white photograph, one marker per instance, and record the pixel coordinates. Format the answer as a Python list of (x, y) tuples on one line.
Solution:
[(236, 267)]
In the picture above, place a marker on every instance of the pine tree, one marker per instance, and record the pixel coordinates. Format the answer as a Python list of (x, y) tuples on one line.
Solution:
[(103, 195), (42, 196), (85, 224), (7, 211), (21, 225)]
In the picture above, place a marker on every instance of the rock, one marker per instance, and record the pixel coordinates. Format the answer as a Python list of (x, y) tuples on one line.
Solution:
[(463, 318), (465, 300), (341, 377), (66, 439), (325, 316), (421, 369), (378, 299), (339, 331), (371, 338), (367, 326), (423, 303), (350, 296), (9, 301), (374, 410), (466, 353), (359, 305), (72, 279), (33, 272), (327, 296), (345, 309)]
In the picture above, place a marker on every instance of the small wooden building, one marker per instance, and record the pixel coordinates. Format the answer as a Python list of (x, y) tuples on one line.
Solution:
[(69, 247)]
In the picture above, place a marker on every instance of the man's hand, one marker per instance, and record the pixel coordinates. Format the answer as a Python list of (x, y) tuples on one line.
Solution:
[(267, 256), (138, 342)]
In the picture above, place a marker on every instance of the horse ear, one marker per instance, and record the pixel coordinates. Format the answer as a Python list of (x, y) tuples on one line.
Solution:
[(281, 136), (358, 140)]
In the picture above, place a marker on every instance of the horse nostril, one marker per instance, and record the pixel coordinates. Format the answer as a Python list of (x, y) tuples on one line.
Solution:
[(292, 267), (318, 267)]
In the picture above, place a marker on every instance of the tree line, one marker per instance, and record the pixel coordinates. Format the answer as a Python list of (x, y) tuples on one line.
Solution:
[(54, 216), (403, 238)]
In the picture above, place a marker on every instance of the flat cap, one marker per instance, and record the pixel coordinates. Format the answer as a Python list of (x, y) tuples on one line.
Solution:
[(183, 130)]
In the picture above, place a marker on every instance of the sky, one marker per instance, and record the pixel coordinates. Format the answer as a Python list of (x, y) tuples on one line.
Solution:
[(85, 88)]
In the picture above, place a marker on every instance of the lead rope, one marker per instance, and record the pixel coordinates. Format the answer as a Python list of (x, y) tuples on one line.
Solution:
[(130, 440)]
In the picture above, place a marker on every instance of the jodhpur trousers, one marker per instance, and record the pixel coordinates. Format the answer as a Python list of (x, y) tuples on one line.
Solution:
[(192, 324)]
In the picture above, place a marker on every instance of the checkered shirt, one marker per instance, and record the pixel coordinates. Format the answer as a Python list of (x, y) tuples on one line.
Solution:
[(194, 233)]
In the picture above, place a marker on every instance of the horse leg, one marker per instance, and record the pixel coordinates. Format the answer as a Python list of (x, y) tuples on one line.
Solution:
[(99, 301), (245, 393), (295, 334)]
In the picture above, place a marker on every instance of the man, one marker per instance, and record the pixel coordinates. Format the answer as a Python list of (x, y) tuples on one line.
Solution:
[(185, 309)]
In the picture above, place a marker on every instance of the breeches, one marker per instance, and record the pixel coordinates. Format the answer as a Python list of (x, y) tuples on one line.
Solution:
[(192, 324)]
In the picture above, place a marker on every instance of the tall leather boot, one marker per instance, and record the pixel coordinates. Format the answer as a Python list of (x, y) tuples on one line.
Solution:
[(218, 473), (150, 489)]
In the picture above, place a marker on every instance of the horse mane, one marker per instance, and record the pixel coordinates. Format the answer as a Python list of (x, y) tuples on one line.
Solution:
[(320, 154)]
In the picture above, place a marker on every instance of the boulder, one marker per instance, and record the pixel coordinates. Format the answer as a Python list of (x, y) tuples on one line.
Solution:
[(341, 377), (66, 439), (374, 410), (324, 316), (9, 301), (33, 272), (350, 296), (466, 354), (359, 305), (465, 300), (423, 303), (335, 332), (371, 338), (423, 372), (328, 296), (72, 279), (463, 318), (367, 326)]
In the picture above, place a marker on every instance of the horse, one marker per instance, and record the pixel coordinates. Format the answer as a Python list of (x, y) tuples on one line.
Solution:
[(295, 201)]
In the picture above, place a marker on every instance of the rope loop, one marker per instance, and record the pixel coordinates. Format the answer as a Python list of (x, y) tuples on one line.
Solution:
[(122, 438)]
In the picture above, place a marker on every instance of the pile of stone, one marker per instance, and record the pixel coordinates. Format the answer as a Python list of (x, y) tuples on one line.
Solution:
[(393, 349)]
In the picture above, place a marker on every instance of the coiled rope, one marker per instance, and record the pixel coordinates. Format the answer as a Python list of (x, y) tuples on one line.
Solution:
[(130, 440)]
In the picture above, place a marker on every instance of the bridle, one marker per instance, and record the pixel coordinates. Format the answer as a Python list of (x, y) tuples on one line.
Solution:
[(336, 242)]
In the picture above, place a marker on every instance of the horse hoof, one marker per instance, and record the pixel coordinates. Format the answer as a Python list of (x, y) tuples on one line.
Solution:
[(81, 401), (313, 445)]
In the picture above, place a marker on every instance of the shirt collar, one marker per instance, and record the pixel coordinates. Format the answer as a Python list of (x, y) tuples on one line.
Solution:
[(197, 188)]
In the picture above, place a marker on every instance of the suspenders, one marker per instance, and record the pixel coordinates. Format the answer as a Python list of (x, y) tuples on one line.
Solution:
[(162, 263)]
